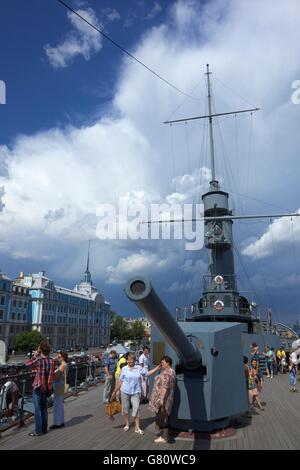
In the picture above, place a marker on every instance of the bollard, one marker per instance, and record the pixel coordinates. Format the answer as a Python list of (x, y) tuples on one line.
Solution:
[(21, 421), (86, 377), (76, 377), (94, 374), (1, 401)]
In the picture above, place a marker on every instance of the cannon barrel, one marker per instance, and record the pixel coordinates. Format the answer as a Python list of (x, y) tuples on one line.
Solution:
[(140, 291)]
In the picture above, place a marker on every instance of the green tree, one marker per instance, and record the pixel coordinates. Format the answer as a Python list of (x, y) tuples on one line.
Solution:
[(136, 331), (112, 316), (119, 329), (28, 340)]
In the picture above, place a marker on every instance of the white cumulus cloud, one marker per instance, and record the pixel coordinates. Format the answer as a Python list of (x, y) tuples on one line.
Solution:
[(82, 40), (279, 235), (137, 263)]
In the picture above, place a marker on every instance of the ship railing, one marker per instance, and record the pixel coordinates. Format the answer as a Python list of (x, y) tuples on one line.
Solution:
[(80, 377), (188, 312), (219, 282)]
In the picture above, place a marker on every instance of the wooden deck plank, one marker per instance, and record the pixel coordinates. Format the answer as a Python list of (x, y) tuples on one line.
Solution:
[(87, 427)]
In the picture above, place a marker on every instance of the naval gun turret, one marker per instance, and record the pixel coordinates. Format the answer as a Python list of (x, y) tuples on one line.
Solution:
[(207, 349), (208, 361)]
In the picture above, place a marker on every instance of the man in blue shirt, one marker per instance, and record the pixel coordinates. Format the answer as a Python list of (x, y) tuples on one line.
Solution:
[(110, 364)]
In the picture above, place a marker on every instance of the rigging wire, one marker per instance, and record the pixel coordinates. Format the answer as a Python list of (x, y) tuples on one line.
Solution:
[(124, 50), (233, 91), (188, 296), (226, 161), (248, 176), (266, 289), (184, 296), (188, 150), (236, 250), (252, 144), (199, 190), (272, 238), (294, 248), (231, 190), (196, 255), (174, 181), (263, 202), (237, 160), (184, 100), (173, 156)]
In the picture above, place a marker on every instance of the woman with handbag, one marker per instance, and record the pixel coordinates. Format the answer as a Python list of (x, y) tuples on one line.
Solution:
[(130, 384), (60, 387)]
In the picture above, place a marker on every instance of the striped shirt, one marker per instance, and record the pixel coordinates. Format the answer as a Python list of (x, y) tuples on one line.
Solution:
[(39, 366)]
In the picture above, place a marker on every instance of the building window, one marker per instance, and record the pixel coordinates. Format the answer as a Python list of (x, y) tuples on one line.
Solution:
[(14, 303), (1, 314), (20, 303), (13, 316), (24, 317), (2, 299)]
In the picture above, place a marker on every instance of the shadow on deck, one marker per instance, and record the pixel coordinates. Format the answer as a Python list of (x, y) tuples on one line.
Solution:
[(87, 427)]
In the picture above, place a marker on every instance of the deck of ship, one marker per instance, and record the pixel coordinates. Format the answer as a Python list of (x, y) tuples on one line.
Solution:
[(87, 427)]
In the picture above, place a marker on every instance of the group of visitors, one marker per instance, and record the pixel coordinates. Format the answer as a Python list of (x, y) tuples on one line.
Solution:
[(124, 377), (112, 369), (127, 380), (271, 363), (48, 380), (276, 362)]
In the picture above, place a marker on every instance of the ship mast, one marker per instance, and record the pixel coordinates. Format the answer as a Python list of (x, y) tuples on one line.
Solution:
[(211, 134), (220, 299)]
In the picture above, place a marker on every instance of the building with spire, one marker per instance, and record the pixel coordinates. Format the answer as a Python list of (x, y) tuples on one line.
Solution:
[(15, 305), (69, 318)]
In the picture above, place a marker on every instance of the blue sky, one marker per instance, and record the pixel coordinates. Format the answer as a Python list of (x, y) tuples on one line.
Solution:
[(40, 97), (83, 125)]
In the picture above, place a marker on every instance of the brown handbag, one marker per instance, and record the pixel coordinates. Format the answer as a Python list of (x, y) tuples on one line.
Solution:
[(113, 408), (67, 386)]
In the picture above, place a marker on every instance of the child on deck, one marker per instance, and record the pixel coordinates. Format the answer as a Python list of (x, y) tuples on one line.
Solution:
[(254, 385), (292, 376)]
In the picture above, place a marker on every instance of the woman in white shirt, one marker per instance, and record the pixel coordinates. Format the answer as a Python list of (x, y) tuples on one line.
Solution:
[(130, 384)]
